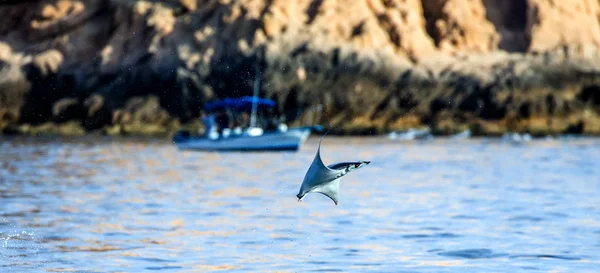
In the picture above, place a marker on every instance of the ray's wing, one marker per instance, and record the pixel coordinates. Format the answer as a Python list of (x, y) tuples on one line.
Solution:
[(318, 162), (318, 173), (331, 190)]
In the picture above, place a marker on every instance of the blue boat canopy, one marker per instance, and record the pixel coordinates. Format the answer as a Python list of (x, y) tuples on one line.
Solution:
[(239, 104)]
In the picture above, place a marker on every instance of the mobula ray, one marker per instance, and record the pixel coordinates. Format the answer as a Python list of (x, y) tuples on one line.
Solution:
[(326, 179)]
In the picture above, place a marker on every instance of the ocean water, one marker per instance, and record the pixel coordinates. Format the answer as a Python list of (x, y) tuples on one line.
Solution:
[(126, 205)]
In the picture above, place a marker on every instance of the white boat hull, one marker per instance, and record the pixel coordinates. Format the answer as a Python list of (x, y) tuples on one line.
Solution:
[(273, 141)]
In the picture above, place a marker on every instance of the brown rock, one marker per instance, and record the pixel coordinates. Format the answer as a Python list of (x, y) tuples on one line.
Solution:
[(94, 103), (190, 5), (13, 89), (48, 62), (67, 109), (551, 24), (459, 25), (52, 13), (490, 65), (145, 110)]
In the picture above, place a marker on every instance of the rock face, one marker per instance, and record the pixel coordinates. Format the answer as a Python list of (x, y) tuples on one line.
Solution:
[(129, 67)]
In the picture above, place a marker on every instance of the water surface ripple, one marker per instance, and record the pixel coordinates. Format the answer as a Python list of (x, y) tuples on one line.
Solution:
[(482, 205)]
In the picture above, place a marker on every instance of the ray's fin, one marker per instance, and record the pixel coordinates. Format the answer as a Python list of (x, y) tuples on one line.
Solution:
[(320, 140), (331, 190), (318, 162)]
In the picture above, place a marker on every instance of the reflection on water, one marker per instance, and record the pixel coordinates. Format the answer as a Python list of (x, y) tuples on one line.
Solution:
[(97, 205)]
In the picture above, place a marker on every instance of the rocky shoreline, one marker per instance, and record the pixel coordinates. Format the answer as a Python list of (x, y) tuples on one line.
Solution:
[(146, 67)]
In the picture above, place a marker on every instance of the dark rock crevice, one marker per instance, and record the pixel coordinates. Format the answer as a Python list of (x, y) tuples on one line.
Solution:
[(590, 94), (313, 10), (509, 17), (432, 12)]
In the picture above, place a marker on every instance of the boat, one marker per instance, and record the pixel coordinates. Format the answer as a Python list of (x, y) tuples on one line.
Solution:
[(289, 140), (253, 138)]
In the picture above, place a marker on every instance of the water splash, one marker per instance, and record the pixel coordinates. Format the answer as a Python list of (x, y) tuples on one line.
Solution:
[(19, 247)]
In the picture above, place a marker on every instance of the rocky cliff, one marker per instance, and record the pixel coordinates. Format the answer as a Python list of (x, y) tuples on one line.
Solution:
[(146, 67)]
